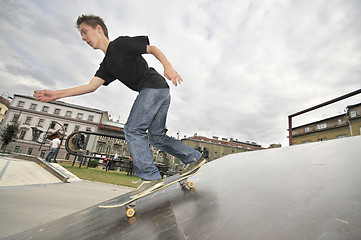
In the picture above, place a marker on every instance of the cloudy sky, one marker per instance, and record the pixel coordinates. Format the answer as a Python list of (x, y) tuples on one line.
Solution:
[(246, 65)]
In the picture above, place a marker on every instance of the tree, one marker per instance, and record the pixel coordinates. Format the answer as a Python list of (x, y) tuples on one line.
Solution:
[(9, 134)]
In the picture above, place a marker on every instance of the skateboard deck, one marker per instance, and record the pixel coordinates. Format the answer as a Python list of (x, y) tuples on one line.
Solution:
[(125, 200)]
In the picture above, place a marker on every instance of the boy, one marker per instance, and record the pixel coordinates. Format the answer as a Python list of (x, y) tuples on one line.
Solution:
[(123, 61)]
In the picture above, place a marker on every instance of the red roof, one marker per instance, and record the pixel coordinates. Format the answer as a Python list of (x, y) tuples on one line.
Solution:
[(247, 146)]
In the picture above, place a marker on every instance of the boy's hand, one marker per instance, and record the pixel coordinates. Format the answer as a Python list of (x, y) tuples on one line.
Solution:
[(172, 75), (45, 95)]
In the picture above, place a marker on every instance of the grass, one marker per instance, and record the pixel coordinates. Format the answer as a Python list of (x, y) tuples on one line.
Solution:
[(100, 175)]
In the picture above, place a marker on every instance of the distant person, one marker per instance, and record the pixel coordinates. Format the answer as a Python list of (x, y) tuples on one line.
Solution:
[(55, 145), (109, 164), (123, 60)]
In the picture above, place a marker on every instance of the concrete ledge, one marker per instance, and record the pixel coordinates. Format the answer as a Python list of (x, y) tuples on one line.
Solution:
[(61, 176)]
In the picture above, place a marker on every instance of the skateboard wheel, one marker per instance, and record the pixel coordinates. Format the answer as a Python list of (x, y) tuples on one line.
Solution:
[(130, 212), (190, 184)]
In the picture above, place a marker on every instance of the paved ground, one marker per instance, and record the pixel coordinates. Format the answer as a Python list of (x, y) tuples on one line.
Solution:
[(30, 196)]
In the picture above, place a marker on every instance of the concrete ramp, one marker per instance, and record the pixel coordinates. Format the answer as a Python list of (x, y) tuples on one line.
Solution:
[(309, 191)]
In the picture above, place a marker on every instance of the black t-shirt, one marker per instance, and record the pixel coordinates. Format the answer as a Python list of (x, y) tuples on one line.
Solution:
[(123, 61)]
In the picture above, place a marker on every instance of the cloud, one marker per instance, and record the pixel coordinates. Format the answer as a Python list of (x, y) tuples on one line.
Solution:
[(246, 65)]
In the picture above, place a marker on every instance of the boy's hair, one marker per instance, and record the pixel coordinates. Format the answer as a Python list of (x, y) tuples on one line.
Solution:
[(92, 21)]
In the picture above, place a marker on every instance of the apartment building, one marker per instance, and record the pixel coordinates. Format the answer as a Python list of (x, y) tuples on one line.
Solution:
[(4, 104), (340, 126), (213, 148), (38, 120)]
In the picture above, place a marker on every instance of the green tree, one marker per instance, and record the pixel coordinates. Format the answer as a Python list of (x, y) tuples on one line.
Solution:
[(9, 134)]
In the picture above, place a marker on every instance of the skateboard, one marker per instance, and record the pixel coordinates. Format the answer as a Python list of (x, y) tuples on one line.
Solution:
[(130, 203)]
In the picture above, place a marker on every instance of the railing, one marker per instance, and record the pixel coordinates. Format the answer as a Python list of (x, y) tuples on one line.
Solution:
[(316, 107)]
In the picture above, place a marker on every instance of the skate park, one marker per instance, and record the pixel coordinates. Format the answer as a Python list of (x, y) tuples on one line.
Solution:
[(308, 191)]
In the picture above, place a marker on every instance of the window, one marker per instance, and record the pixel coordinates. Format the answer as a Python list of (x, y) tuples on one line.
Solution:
[(321, 126), (57, 111), (307, 129), (215, 155), (28, 120), (90, 118), (353, 114), (41, 123), (68, 113), (45, 109), (30, 151), (88, 129), (33, 106), (341, 136), (66, 127), (17, 149), (80, 116), (322, 139), (76, 128), (22, 134), (15, 118), (42, 154), (100, 147), (339, 121), (21, 104), (52, 125)]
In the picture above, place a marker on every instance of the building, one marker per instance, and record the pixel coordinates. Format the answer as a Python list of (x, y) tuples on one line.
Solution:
[(4, 104), (213, 148), (38, 120), (340, 126)]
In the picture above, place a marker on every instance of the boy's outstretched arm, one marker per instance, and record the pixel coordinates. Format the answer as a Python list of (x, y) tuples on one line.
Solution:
[(169, 71), (50, 95)]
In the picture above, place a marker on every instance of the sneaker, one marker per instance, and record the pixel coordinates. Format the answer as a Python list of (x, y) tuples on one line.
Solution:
[(145, 187), (190, 167)]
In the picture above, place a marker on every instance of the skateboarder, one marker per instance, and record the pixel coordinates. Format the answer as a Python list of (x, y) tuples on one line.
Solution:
[(123, 61)]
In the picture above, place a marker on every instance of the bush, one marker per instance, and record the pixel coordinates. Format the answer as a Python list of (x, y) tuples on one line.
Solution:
[(93, 163)]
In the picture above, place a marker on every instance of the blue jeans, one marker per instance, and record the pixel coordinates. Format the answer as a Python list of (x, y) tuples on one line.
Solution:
[(51, 154), (149, 112)]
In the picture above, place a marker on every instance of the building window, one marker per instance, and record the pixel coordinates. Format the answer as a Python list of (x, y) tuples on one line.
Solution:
[(42, 154), (30, 151), (15, 118), (322, 139), (100, 148), (76, 128), (21, 104), (307, 129), (52, 125), (17, 149), (88, 129), (22, 134), (68, 113), (66, 127), (45, 109), (41, 123), (80, 116), (28, 120), (57, 111), (353, 114), (90, 118), (33, 106), (321, 126), (215, 155), (341, 136), (339, 121)]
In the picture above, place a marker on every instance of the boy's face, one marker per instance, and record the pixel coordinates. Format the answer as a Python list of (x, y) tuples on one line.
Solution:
[(90, 35)]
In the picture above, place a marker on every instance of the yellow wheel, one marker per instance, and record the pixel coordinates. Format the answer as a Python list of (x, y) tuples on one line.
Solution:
[(190, 184), (130, 212)]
